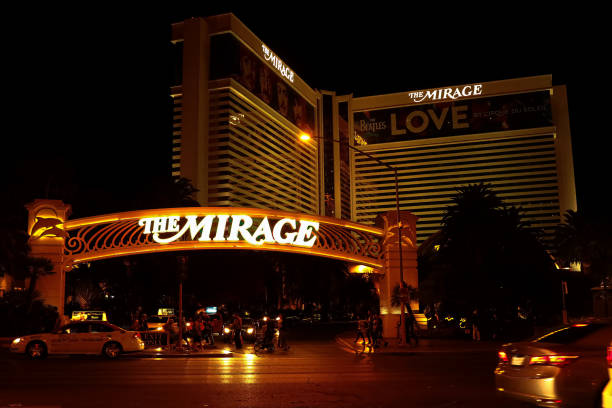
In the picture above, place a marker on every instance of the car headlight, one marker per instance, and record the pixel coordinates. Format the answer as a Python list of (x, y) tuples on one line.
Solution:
[(250, 330), (226, 330), (17, 340)]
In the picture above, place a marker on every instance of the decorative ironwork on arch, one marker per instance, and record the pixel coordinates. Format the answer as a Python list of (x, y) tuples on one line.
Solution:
[(126, 233)]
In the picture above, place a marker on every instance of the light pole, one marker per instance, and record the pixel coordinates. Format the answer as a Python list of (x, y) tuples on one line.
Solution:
[(306, 137), (182, 265)]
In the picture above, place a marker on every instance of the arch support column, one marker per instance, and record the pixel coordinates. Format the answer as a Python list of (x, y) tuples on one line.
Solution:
[(392, 277), (47, 236)]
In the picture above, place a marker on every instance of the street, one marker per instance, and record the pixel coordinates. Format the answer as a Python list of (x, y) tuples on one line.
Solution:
[(313, 373)]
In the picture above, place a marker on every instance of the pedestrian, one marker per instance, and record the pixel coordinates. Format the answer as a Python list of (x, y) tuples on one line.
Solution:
[(494, 325), (206, 326), (135, 326), (269, 332), (237, 328), (374, 324), (188, 331), (411, 327), (171, 330), (282, 333), (362, 327), (370, 328), (197, 333), (144, 325), (216, 324), (475, 325), (61, 321), (378, 331)]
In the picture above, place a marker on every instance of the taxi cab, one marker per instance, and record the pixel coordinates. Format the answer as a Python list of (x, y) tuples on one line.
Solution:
[(84, 337)]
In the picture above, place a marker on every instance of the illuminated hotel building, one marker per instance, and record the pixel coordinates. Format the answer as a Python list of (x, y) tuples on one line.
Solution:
[(239, 112), (512, 134)]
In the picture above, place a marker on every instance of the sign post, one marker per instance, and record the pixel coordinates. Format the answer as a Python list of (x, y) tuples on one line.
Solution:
[(182, 261), (563, 293)]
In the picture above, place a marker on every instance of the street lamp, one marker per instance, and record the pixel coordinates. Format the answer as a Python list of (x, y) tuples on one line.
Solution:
[(305, 137)]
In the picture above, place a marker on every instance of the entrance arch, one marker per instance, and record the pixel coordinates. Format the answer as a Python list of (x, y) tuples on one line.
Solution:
[(371, 249)]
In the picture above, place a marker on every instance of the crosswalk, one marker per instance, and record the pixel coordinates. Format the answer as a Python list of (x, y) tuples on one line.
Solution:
[(309, 375)]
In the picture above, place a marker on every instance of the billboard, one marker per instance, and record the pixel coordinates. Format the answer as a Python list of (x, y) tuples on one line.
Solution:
[(453, 118), (232, 59)]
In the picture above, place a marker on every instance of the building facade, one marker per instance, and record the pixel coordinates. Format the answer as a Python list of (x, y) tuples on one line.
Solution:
[(512, 134), (240, 111)]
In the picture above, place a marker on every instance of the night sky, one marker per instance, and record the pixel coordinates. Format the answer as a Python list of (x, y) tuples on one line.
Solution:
[(87, 92)]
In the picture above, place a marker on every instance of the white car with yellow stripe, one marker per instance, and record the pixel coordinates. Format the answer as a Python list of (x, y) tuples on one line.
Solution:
[(87, 337)]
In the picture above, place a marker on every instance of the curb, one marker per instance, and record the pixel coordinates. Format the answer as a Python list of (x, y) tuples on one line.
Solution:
[(177, 355), (412, 350)]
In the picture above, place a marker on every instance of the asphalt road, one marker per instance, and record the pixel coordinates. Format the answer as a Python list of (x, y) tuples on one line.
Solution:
[(311, 374)]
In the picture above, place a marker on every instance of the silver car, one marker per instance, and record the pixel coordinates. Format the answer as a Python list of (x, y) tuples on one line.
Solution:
[(564, 368), (88, 337)]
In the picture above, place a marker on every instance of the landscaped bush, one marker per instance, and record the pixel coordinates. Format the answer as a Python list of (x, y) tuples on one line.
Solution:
[(23, 314)]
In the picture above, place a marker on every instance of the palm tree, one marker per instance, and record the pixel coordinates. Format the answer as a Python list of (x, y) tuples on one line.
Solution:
[(173, 192), (36, 268), (396, 297), (580, 239), (485, 254), (15, 259), (14, 252), (577, 240)]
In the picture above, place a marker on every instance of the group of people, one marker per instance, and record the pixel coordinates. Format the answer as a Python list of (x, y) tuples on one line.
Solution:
[(370, 330), (269, 330), (140, 322), (198, 332)]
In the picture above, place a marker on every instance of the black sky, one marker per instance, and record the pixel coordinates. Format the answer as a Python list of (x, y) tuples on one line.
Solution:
[(87, 93)]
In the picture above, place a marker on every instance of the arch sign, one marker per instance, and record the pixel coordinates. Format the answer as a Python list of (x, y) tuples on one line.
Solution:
[(241, 225), (367, 249), (197, 228)]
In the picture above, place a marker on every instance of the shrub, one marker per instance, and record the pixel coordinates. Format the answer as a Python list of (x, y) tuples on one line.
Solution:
[(22, 313)]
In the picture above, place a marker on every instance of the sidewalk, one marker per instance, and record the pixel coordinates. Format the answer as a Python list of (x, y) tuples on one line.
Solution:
[(426, 345)]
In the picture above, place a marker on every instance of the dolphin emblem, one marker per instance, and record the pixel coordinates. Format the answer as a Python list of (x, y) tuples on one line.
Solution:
[(391, 230), (50, 227)]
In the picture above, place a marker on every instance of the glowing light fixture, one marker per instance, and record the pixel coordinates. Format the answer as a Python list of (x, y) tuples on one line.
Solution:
[(361, 269)]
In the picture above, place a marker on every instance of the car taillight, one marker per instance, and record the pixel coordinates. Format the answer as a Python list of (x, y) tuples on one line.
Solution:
[(609, 356), (552, 360), (137, 335), (503, 357)]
